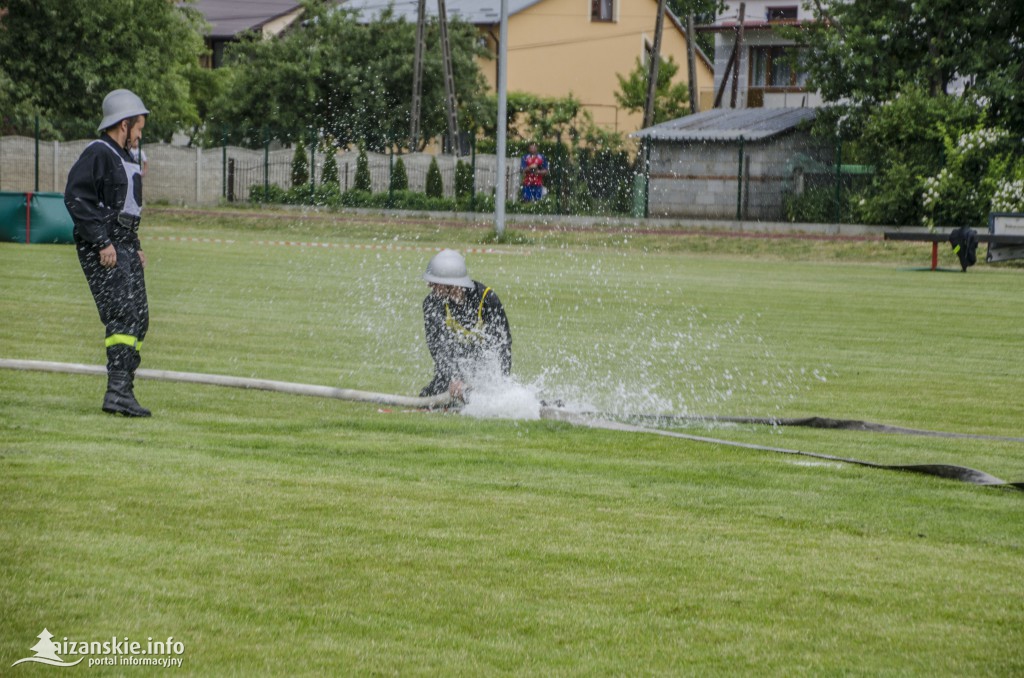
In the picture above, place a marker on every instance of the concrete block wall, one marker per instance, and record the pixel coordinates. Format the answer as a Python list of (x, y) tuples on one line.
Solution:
[(699, 180), (193, 176)]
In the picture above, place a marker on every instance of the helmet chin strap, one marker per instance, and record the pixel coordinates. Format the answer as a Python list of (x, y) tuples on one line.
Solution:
[(128, 134)]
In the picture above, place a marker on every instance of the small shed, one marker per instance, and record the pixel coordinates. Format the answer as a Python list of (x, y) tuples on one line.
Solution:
[(730, 163)]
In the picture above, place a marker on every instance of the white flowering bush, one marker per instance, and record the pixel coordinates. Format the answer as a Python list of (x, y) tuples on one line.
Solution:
[(936, 161), (980, 139), (980, 177), (1009, 196)]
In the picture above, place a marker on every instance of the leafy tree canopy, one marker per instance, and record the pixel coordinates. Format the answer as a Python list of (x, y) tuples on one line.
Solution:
[(671, 100), (548, 121), (865, 52), (343, 78), (59, 59)]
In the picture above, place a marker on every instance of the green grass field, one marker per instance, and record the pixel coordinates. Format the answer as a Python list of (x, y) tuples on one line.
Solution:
[(285, 535)]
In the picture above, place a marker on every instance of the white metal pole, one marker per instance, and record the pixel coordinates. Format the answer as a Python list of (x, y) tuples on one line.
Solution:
[(499, 197)]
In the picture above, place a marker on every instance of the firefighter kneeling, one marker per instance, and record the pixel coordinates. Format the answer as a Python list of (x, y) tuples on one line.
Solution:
[(466, 328)]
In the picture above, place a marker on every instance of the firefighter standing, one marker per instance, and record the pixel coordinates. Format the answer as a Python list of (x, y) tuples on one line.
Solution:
[(104, 198), (466, 328)]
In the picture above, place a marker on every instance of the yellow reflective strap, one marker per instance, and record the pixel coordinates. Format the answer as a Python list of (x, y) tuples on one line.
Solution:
[(956, 250), (480, 311), (127, 339), (467, 333)]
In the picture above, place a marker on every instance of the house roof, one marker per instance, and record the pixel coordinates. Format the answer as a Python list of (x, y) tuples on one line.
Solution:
[(471, 11), (230, 18), (728, 124)]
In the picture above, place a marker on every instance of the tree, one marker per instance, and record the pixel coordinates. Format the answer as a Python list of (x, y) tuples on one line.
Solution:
[(60, 59), (435, 185), (929, 95), (545, 119), (670, 100), (868, 51), (463, 179), (300, 165), (344, 78), (399, 176), (362, 180), (330, 172)]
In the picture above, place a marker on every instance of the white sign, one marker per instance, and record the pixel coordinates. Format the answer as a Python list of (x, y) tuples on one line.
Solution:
[(1005, 223)]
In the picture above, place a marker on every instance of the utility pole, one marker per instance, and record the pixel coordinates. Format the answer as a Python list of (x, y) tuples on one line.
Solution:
[(739, 56), (502, 121), (417, 76), (691, 64), (652, 78), (449, 80)]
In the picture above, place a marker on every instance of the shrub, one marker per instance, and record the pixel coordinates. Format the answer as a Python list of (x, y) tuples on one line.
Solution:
[(330, 175), (399, 177), (816, 205), (300, 165), (362, 181), (435, 185), (481, 202), (463, 179), (906, 140), (272, 194), (978, 164), (355, 198)]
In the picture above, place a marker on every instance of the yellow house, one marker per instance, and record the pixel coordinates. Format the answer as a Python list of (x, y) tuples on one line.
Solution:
[(558, 47), (562, 47)]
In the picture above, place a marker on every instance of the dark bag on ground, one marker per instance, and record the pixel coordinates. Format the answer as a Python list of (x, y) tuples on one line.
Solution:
[(964, 241)]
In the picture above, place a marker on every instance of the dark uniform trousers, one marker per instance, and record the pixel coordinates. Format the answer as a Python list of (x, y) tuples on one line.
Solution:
[(120, 295)]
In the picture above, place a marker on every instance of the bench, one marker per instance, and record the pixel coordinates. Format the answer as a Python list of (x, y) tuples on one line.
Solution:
[(935, 237)]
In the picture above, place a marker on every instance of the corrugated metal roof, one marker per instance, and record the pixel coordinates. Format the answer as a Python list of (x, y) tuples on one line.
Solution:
[(470, 11), (728, 124), (229, 18)]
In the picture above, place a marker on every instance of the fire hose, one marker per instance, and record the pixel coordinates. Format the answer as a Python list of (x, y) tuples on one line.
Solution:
[(590, 420)]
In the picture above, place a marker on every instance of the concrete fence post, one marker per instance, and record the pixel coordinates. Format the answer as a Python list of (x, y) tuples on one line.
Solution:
[(199, 173)]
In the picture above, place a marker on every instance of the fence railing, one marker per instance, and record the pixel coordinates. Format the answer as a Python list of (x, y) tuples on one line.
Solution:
[(719, 181), (195, 176)]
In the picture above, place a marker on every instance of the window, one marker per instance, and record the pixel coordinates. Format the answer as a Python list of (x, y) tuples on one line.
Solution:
[(775, 67), (782, 13), (602, 10)]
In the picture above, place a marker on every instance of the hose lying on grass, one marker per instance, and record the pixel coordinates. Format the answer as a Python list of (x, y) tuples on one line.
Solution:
[(961, 473), (821, 422), (238, 382)]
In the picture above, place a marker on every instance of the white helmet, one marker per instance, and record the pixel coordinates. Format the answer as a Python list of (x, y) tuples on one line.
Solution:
[(119, 105), (448, 267)]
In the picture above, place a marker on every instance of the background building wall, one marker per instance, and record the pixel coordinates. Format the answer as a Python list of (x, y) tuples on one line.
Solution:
[(556, 50), (700, 180)]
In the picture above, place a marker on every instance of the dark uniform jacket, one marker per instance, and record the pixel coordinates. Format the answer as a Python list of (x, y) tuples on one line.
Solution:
[(95, 195), (464, 337)]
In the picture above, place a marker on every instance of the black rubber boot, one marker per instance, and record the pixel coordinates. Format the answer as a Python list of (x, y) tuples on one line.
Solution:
[(119, 398), (134, 358), (122, 361)]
